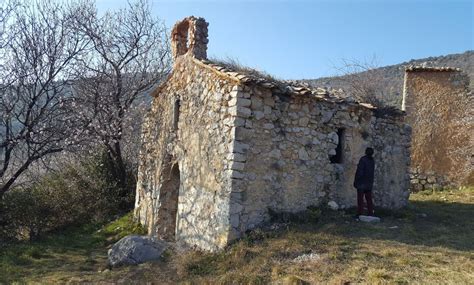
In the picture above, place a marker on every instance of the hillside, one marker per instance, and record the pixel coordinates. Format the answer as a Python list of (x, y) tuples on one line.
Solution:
[(390, 77)]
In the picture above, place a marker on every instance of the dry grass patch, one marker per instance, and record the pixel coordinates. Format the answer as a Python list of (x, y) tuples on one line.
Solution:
[(430, 242)]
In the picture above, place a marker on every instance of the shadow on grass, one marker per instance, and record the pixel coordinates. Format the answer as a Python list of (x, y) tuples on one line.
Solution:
[(423, 223), (53, 252), (77, 248)]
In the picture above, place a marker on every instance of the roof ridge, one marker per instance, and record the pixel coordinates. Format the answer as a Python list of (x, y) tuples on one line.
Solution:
[(431, 68), (293, 87)]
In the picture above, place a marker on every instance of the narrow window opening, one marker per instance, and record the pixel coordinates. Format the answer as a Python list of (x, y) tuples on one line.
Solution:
[(337, 158), (177, 105), (180, 43), (187, 40)]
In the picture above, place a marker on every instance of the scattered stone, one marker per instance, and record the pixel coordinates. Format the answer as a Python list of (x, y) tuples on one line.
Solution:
[(134, 249), (394, 227), (369, 219), (303, 154), (307, 257), (333, 205)]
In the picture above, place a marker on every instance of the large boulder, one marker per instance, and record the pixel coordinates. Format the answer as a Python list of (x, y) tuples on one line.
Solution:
[(134, 249)]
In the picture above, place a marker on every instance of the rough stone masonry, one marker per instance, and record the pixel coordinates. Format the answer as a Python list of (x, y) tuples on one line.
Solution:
[(440, 109), (223, 145)]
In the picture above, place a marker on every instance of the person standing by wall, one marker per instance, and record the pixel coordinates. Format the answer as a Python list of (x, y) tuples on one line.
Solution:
[(364, 182)]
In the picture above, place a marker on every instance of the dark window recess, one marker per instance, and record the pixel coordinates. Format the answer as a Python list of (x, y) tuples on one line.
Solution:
[(337, 158), (177, 105)]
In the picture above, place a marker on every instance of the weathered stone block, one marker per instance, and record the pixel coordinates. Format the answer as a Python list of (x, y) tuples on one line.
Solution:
[(238, 166), (258, 115), (303, 154), (239, 147)]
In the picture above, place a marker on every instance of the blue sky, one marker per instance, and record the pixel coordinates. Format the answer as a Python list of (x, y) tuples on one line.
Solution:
[(307, 39)]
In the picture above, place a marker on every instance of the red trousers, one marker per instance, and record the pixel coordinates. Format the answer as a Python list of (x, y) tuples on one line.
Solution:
[(360, 202)]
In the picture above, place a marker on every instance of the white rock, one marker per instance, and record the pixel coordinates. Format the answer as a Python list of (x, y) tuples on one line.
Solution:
[(307, 257), (333, 205), (333, 137), (369, 219)]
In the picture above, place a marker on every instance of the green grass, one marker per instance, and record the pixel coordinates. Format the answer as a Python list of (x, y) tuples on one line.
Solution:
[(429, 242), (76, 250)]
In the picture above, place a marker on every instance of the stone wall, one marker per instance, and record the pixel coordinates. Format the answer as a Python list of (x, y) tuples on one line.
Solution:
[(221, 148), (420, 181), (234, 151), (197, 146), (440, 108), (284, 144), (391, 141)]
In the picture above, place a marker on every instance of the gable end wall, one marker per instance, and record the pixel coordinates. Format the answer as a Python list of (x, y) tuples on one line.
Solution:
[(201, 147)]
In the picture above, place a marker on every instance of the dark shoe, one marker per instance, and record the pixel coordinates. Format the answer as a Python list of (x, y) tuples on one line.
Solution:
[(356, 217)]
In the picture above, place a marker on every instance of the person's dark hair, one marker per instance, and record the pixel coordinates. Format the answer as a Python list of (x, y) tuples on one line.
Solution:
[(369, 151)]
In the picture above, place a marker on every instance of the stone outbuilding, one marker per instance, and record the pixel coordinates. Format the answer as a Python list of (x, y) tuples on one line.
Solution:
[(224, 144), (440, 108)]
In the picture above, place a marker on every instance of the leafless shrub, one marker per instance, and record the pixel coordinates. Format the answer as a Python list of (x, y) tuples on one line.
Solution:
[(235, 65), (363, 79)]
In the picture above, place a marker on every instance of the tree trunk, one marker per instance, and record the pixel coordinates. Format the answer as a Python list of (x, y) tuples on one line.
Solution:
[(119, 168), (119, 172)]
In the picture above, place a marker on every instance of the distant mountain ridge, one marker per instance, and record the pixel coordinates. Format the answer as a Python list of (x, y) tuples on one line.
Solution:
[(391, 77)]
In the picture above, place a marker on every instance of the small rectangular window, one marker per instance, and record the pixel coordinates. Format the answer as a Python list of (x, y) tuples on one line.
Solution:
[(177, 105), (337, 158)]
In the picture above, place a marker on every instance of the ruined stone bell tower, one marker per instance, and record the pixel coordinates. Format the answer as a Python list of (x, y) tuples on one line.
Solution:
[(189, 36)]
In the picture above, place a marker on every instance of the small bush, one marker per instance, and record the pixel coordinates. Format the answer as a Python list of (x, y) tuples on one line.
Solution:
[(76, 194), (120, 228)]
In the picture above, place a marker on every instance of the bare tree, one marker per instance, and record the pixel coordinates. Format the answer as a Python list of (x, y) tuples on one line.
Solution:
[(41, 47), (6, 11), (128, 56)]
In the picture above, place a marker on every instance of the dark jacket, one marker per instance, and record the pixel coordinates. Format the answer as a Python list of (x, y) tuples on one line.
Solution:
[(364, 177)]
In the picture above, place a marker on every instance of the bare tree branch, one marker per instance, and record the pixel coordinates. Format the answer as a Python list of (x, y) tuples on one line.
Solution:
[(35, 85), (128, 56)]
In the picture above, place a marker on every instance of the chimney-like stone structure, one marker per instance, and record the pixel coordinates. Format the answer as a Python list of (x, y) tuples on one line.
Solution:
[(189, 36)]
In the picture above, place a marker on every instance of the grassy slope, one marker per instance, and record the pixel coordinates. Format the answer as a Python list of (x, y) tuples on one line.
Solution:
[(75, 252), (407, 247)]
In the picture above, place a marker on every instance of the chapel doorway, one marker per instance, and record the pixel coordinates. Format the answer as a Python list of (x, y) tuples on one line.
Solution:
[(168, 199)]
